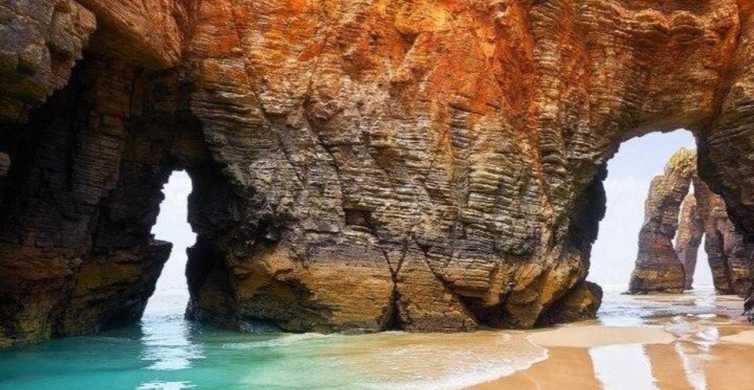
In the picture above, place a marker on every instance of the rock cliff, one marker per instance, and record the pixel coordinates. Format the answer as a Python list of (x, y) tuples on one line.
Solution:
[(658, 268), (702, 214), (358, 165), (731, 257)]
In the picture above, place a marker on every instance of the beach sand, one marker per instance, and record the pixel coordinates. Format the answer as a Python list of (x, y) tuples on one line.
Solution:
[(564, 365), (674, 353), (589, 336)]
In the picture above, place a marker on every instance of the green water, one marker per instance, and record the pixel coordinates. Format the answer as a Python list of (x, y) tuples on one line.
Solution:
[(166, 352)]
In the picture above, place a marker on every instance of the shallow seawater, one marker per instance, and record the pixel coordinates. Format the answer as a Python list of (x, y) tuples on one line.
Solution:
[(166, 352)]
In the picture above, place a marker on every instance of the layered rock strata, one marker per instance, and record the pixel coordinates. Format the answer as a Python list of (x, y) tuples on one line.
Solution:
[(730, 256), (658, 268), (702, 214), (39, 44), (357, 166)]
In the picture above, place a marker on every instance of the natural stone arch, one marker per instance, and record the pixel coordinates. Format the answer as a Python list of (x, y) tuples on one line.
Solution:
[(81, 196), (442, 163), (665, 266), (658, 267)]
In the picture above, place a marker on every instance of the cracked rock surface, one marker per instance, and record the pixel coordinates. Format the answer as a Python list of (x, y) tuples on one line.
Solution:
[(357, 166)]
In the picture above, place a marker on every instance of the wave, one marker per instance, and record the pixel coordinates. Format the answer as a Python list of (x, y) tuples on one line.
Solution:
[(278, 341), (445, 362)]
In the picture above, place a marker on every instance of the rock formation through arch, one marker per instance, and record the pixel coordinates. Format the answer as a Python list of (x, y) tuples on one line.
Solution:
[(673, 230)]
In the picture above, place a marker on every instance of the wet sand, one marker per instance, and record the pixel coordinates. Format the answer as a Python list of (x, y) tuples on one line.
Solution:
[(723, 367), (745, 338), (693, 341), (571, 366), (666, 342), (589, 336)]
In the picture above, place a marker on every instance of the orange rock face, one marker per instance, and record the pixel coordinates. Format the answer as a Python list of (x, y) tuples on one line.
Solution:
[(356, 165), (149, 33)]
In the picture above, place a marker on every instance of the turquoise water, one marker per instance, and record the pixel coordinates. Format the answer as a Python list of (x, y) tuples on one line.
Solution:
[(162, 352), (166, 352)]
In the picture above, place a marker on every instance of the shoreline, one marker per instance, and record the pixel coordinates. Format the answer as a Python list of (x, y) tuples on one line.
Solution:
[(712, 352)]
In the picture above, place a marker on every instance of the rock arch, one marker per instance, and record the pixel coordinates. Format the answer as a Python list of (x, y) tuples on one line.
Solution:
[(666, 266), (658, 267), (416, 166)]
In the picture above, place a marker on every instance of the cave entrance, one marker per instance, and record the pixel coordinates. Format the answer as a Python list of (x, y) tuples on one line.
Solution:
[(630, 174), (171, 293)]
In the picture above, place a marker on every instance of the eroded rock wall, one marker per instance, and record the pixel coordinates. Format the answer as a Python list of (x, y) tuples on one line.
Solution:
[(80, 198), (658, 268), (63, 165), (731, 257), (380, 165), (702, 214), (39, 42), (81, 174)]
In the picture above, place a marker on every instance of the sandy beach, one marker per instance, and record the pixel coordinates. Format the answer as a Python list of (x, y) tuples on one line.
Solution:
[(709, 349), (694, 341)]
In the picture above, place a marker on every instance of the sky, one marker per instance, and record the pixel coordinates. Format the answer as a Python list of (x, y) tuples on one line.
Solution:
[(172, 225), (613, 255)]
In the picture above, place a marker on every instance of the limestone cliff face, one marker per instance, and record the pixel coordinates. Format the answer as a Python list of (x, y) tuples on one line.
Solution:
[(356, 165), (702, 214)]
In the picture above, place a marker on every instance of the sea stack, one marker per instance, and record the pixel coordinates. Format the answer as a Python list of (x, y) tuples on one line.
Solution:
[(703, 214), (658, 268)]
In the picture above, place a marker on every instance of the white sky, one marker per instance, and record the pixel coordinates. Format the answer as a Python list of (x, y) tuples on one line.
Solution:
[(613, 255), (172, 225)]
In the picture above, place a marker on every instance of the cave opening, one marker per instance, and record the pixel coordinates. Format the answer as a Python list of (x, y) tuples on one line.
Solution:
[(627, 186), (171, 294)]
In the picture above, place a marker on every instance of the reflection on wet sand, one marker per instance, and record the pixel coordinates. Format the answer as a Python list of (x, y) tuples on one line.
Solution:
[(591, 336), (692, 362), (729, 366), (623, 366), (571, 366), (691, 342), (669, 368)]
